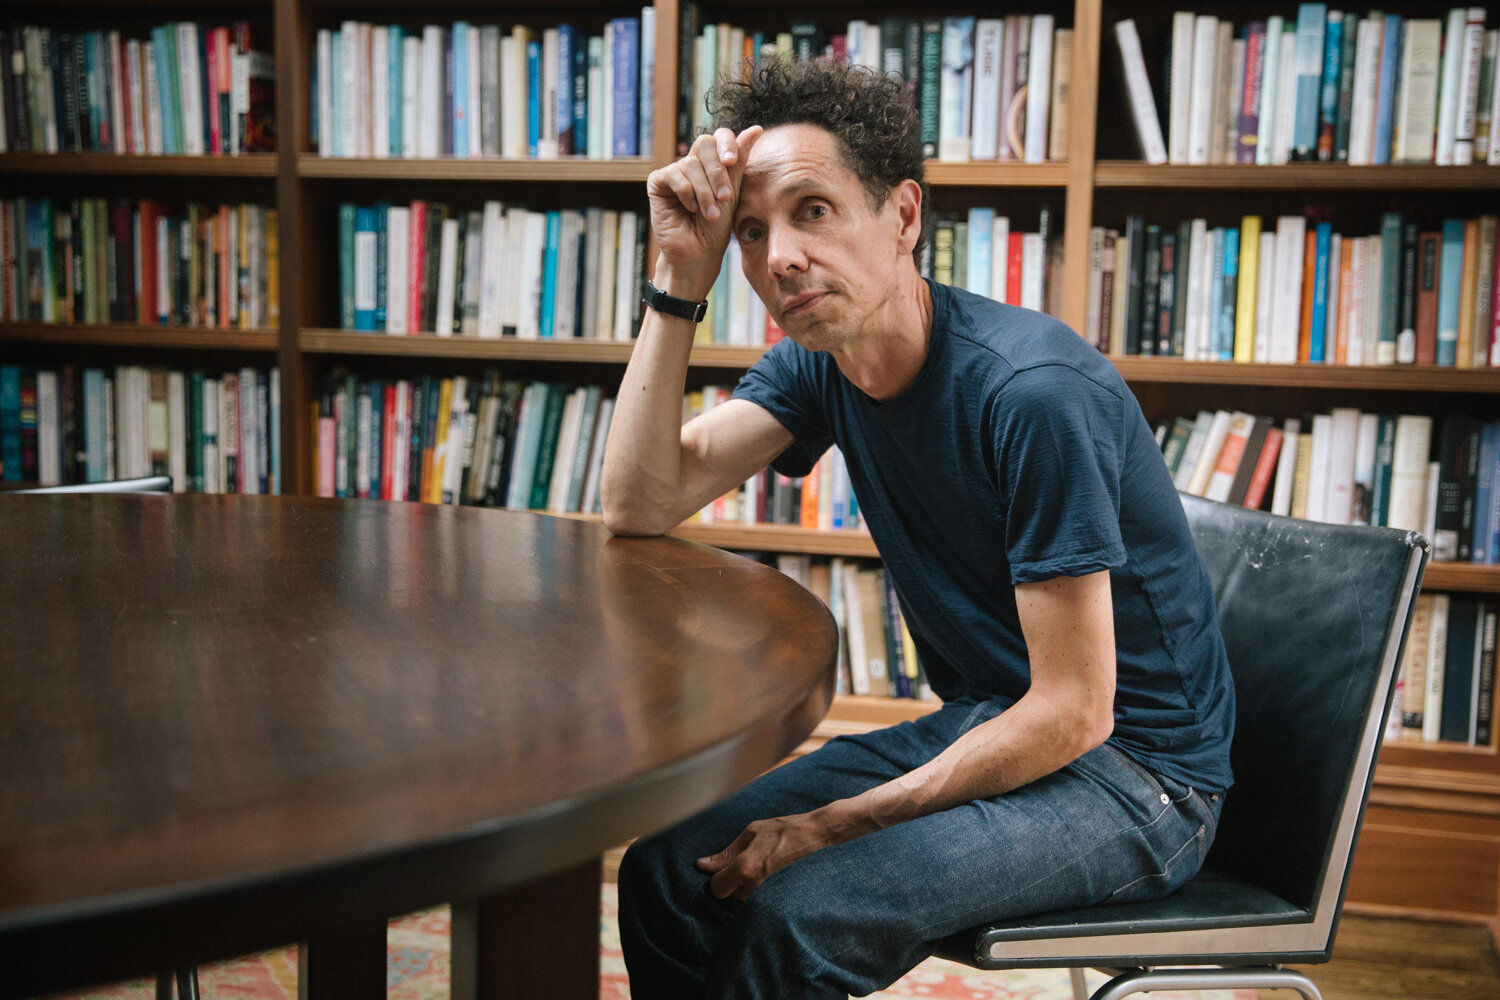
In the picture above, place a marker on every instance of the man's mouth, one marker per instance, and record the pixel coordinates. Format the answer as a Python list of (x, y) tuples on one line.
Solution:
[(802, 303)]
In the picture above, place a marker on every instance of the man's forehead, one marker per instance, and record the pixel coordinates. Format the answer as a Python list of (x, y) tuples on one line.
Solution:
[(789, 159)]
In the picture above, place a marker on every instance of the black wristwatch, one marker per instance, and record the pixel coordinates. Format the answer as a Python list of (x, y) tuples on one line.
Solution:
[(673, 306)]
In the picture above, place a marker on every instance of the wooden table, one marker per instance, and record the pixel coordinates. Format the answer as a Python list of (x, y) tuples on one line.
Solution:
[(230, 723)]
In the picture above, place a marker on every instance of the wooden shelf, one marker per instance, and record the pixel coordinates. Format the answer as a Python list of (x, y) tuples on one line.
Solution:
[(114, 164), (1467, 577), (1392, 378), (996, 174), (571, 169), (138, 335), (576, 349), (1294, 176)]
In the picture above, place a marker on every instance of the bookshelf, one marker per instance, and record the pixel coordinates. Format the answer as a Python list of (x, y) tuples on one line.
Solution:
[(1432, 836)]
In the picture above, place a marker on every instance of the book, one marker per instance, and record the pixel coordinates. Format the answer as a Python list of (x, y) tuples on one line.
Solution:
[(1142, 105)]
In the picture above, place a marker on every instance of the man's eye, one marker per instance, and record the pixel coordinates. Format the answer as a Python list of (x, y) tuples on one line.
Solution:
[(750, 234), (816, 211)]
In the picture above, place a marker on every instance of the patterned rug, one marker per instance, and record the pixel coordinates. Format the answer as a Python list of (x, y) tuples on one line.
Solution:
[(418, 970)]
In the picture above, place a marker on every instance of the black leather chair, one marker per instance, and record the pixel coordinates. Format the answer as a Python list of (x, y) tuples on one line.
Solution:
[(1315, 617), (145, 484)]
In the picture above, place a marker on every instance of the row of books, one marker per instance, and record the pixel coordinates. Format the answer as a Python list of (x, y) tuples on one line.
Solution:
[(876, 653), (212, 432), (1445, 689), (427, 266), (97, 260), (487, 441), (987, 88), (980, 251), (467, 90), (1439, 476), (1326, 85), (184, 88), (1298, 292)]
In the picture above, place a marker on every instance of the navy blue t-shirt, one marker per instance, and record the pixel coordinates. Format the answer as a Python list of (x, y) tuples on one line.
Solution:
[(1018, 454)]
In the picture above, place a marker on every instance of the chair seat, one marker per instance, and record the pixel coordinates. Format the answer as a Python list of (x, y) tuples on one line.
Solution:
[(1211, 901)]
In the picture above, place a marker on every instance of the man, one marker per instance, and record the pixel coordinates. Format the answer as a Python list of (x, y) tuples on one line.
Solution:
[(1028, 523)]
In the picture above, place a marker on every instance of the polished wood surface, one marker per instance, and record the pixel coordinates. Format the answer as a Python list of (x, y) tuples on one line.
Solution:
[(231, 722)]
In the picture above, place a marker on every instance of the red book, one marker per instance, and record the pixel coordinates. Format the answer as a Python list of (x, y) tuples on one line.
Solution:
[(1265, 465), (388, 443), (1013, 270), (416, 268), (146, 307), (214, 56), (1429, 261)]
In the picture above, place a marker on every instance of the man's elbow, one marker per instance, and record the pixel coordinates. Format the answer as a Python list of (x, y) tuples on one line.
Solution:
[(633, 520)]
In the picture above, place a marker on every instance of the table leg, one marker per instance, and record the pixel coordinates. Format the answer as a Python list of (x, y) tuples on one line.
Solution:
[(345, 961), (539, 939)]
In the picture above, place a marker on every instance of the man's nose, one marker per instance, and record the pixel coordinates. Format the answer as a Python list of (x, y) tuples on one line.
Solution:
[(785, 253)]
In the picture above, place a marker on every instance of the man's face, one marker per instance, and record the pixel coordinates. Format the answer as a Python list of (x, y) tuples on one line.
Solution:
[(823, 261)]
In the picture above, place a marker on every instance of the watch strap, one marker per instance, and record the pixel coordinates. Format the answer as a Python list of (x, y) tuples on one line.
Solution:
[(671, 305)]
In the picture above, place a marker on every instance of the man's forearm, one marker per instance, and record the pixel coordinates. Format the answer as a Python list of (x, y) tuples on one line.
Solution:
[(642, 474)]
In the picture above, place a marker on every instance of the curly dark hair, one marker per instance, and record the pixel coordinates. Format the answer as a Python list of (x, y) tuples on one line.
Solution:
[(869, 113)]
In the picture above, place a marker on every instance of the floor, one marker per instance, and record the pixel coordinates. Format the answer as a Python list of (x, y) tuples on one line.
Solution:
[(1387, 959)]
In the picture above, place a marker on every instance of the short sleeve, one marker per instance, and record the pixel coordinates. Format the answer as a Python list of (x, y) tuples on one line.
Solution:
[(1059, 439), (784, 382)]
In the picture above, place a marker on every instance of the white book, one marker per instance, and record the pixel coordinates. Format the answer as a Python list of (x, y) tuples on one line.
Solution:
[(1033, 271), (1408, 498), (1437, 662), (1094, 289), (397, 267), (345, 99), (1472, 55), (1200, 110), (152, 98), (546, 145), (1338, 498), (1416, 109), (609, 258), (363, 84), (956, 83), (1286, 310), (1270, 83), (430, 93), (177, 430), (137, 98), (1286, 468), (365, 244), (593, 225), (980, 246), (1208, 457), (326, 85), (48, 431), (565, 311), (460, 443), (411, 95), (1374, 268), (447, 275), (854, 34), (1317, 473), (1265, 292), (1354, 330), (533, 244), (627, 284), (513, 93), (466, 310), (117, 136), (192, 88), (510, 274), (607, 105), (567, 445), (1138, 86), (1364, 467), (1366, 91), (590, 499), (1039, 88), (1229, 89), (380, 91), (854, 629), (646, 87), (596, 87), (988, 36), (999, 252), (1219, 480), (1195, 337), (1286, 100), (1452, 68), (492, 259), (1180, 85), (400, 471)]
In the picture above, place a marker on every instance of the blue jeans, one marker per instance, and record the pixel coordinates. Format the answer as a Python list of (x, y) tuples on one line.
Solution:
[(853, 918)]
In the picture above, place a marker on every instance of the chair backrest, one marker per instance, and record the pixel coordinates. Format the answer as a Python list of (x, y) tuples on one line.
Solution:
[(145, 484), (1314, 618)]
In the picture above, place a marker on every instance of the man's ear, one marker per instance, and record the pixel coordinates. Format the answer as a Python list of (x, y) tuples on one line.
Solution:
[(907, 197)]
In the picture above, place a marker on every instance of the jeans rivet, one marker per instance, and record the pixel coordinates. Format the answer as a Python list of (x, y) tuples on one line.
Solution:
[(1165, 799)]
